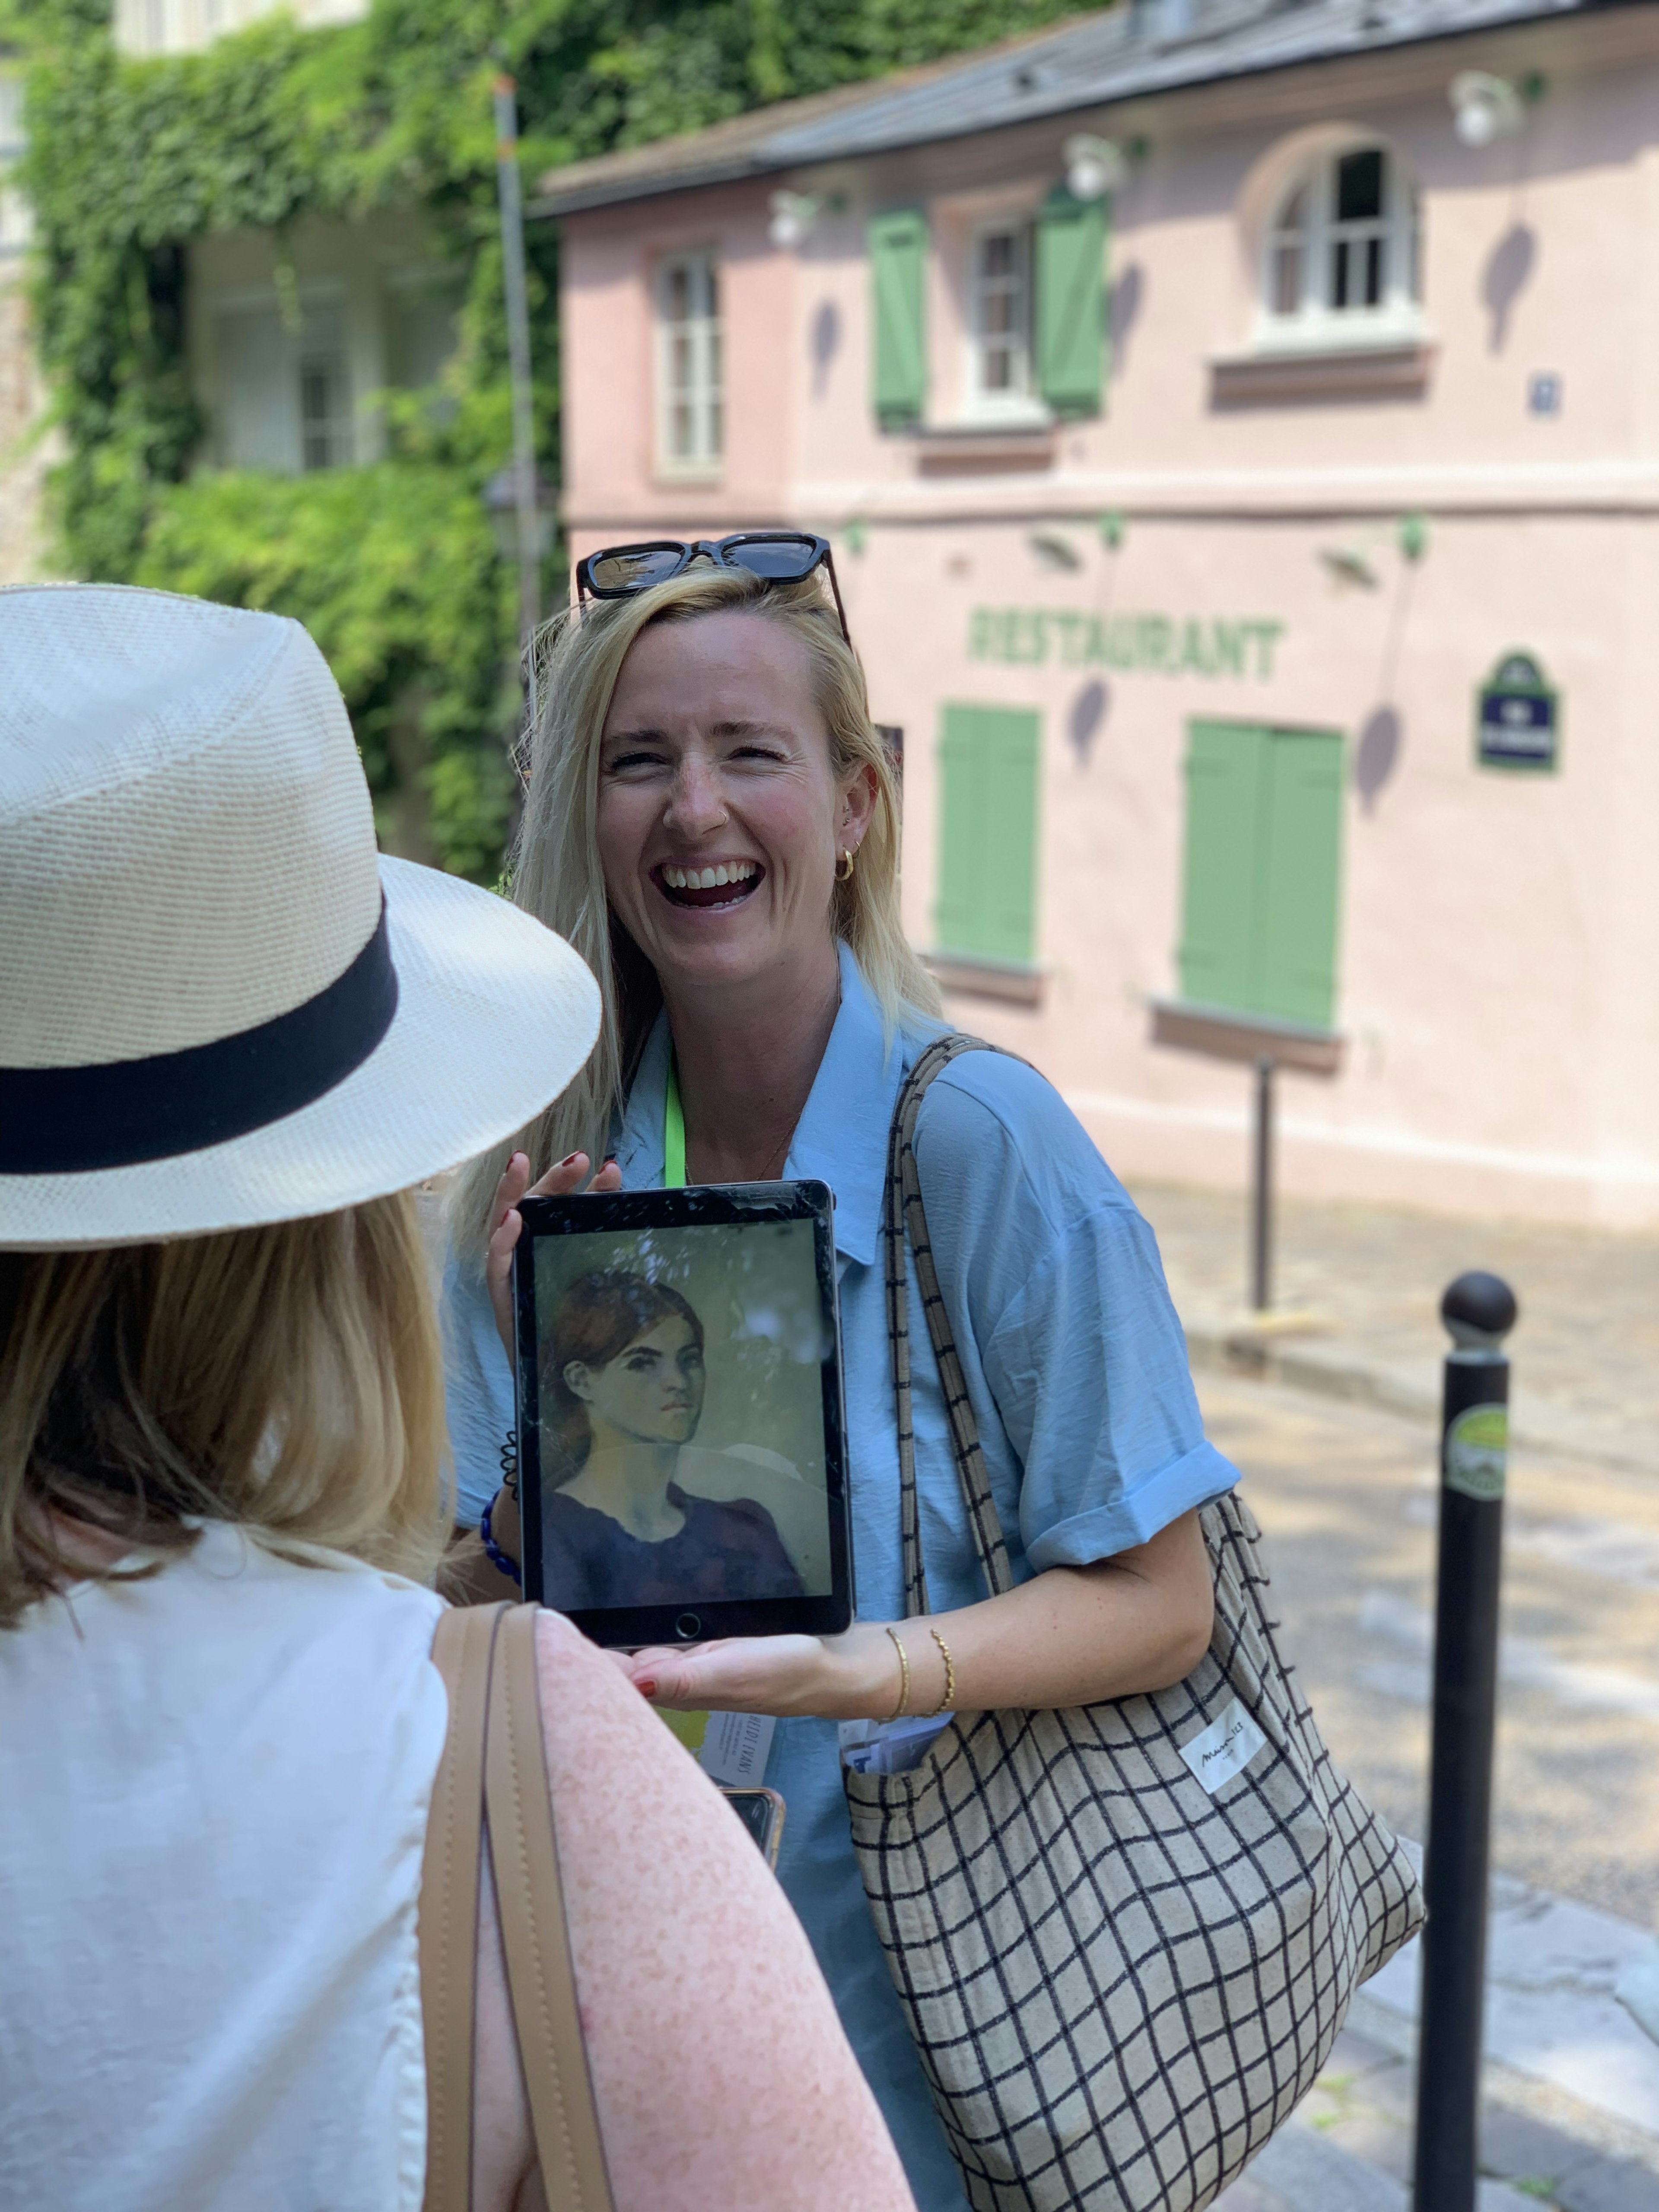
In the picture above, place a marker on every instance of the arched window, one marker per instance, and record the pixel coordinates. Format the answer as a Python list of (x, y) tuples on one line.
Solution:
[(1341, 248)]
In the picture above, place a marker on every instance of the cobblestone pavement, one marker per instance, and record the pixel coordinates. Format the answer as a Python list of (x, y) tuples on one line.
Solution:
[(1345, 1493), (1366, 1283)]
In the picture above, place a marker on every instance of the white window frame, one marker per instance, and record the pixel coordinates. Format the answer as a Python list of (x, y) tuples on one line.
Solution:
[(695, 344), (1315, 324), (16, 216), (1017, 402), (320, 301)]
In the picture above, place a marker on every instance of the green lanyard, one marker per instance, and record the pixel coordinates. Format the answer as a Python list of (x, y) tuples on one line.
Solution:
[(673, 1132), (689, 1728)]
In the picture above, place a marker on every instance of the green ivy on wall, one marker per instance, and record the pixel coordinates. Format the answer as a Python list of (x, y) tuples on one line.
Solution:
[(393, 567)]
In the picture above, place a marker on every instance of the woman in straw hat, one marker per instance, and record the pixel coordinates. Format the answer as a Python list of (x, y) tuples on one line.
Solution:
[(713, 820), (230, 1042)]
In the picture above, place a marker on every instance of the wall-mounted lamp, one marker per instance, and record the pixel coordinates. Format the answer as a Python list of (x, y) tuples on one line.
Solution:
[(793, 215), (1487, 107), (1094, 167)]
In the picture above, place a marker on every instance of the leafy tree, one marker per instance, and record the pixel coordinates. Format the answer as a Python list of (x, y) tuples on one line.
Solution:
[(392, 566)]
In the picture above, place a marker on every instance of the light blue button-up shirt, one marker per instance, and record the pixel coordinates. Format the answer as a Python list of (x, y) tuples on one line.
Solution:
[(1077, 1370)]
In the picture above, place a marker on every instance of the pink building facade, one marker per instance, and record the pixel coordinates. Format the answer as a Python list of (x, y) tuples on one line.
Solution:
[(1238, 431)]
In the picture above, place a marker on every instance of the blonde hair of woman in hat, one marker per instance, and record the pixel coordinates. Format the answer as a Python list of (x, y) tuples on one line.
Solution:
[(713, 820), (230, 1042)]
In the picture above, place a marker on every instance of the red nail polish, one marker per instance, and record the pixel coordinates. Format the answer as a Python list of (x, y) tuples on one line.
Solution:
[(645, 1689), (569, 1159)]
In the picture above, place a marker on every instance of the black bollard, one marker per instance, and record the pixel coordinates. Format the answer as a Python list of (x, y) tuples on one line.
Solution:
[(1479, 1311)]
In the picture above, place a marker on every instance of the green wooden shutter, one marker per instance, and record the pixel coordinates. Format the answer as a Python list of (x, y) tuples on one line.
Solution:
[(1300, 876), (1071, 280), (987, 908), (898, 269), (1224, 780)]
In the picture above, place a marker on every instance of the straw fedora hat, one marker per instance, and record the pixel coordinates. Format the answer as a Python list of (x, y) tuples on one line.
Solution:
[(219, 1005)]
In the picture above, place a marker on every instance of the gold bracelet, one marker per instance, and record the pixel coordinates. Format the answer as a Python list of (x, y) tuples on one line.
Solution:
[(897, 1712), (947, 1701)]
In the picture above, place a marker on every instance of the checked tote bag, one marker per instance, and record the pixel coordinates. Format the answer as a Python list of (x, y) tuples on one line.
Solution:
[(1120, 1978)]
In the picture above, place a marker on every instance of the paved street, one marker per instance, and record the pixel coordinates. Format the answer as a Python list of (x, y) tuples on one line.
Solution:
[(1363, 1287), (1345, 1493)]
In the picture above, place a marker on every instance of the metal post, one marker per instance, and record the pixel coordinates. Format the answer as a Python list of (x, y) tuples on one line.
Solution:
[(1261, 1193), (517, 350), (1478, 1310)]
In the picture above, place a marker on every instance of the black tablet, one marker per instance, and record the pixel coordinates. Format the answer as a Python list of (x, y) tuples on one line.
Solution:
[(681, 1431)]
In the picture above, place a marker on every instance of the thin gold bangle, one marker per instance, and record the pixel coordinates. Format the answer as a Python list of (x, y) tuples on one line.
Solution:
[(947, 1701), (897, 1712)]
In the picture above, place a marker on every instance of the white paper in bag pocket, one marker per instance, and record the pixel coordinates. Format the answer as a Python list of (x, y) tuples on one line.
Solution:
[(1226, 1747)]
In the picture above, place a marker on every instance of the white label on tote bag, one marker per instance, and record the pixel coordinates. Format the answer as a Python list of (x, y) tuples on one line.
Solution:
[(1226, 1748)]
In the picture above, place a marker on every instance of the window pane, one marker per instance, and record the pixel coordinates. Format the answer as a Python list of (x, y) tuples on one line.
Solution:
[(322, 381), (1287, 279), (1339, 273), (1001, 310), (1414, 248), (1359, 186), (689, 359), (1373, 272)]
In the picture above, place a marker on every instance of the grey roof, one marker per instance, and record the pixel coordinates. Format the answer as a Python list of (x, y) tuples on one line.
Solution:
[(1139, 47)]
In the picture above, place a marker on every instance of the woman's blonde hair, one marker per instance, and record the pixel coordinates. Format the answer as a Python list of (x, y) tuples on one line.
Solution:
[(288, 1378), (556, 875)]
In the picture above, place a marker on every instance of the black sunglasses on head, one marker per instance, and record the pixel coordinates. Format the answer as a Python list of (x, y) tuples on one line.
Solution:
[(777, 557)]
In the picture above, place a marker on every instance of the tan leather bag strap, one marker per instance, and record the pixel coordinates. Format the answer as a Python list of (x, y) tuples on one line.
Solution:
[(540, 1974), (462, 1645)]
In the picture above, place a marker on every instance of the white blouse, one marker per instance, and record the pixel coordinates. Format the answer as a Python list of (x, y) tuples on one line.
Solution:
[(213, 1800)]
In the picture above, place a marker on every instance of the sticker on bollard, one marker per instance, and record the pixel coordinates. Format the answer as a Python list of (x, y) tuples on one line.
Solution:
[(1477, 1452)]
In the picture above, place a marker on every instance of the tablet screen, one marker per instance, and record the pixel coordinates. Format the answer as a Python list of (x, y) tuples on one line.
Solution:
[(680, 1413)]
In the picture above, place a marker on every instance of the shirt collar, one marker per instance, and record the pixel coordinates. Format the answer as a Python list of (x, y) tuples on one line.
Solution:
[(842, 1136)]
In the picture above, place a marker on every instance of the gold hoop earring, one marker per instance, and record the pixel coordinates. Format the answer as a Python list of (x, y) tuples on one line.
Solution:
[(844, 873)]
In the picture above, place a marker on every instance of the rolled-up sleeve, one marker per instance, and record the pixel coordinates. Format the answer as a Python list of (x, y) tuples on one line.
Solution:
[(1055, 1276)]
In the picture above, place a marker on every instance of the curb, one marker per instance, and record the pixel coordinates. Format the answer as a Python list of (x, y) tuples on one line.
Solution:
[(1241, 1347)]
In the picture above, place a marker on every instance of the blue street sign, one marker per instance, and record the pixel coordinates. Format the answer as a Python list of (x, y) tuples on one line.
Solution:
[(1518, 717)]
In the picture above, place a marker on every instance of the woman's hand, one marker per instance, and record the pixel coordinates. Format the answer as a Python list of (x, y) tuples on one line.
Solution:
[(1071, 1636), (853, 1676), (569, 1174)]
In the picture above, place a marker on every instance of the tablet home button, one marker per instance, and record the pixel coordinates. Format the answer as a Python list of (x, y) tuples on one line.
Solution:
[(688, 1626)]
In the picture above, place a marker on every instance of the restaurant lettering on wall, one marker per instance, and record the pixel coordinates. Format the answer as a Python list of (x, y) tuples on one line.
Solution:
[(1168, 645)]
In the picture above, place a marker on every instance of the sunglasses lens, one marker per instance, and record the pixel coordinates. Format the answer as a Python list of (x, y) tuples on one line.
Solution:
[(633, 568), (782, 559)]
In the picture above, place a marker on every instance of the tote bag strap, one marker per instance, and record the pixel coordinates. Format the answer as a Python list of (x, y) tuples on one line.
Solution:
[(462, 1646), (492, 1758), (905, 1220), (535, 1935)]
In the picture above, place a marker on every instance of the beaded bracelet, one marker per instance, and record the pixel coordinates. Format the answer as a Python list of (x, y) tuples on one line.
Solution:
[(493, 1552), (948, 1695)]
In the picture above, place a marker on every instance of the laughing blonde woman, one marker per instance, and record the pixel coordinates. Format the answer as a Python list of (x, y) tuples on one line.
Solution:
[(712, 820)]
